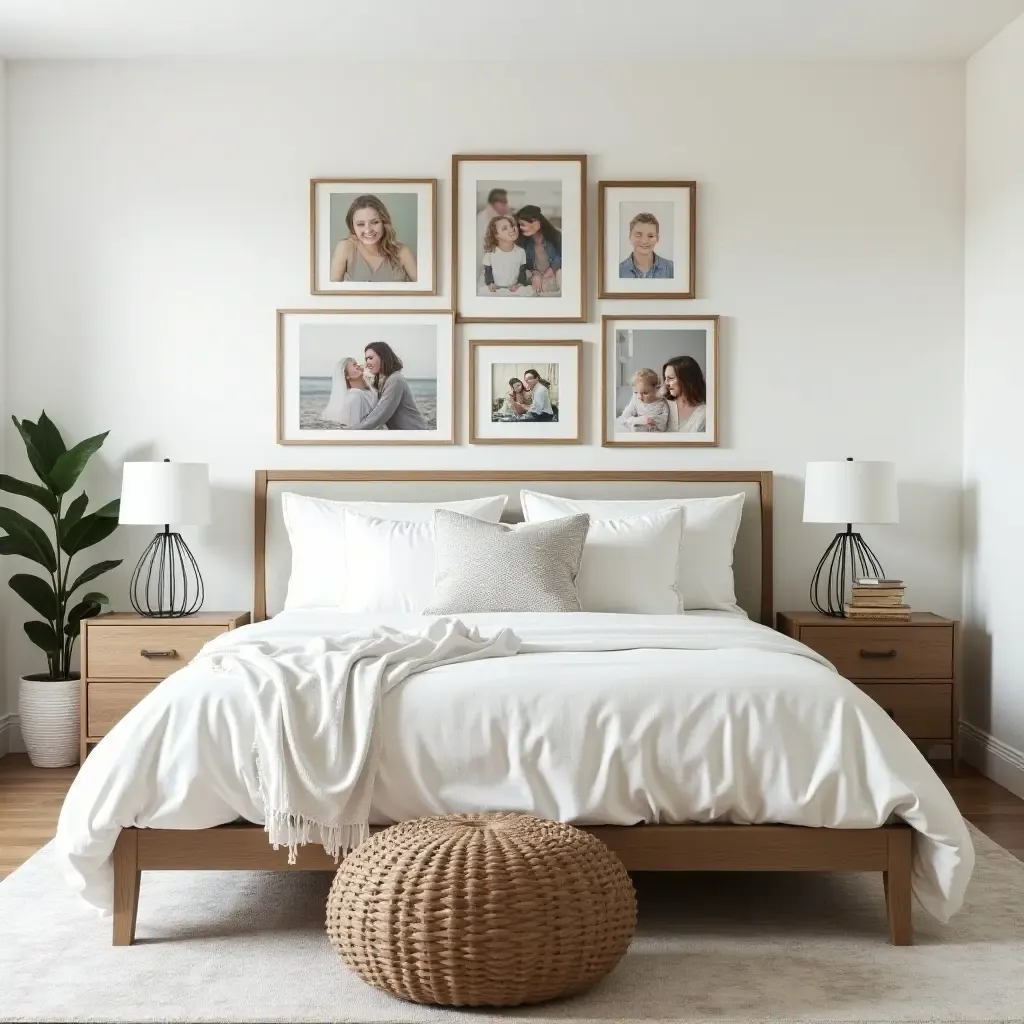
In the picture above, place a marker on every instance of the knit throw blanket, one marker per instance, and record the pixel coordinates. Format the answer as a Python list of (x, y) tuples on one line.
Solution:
[(317, 708)]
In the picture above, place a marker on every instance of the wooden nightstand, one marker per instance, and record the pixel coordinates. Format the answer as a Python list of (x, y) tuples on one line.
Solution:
[(124, 656), (910, 668)]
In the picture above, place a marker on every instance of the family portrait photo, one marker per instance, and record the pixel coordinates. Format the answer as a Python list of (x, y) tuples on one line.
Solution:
[(372, 238), (519, 238), (519, 228), (661, 380), (361, 378), (647, 239), (523, 391)]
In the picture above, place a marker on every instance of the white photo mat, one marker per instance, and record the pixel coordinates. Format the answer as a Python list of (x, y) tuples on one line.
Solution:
[(355, 330), (485, 354), (619, 203), (570, 305), (321, 249), (615, 377)]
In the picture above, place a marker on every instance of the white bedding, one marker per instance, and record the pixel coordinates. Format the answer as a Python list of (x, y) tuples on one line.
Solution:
[(601, 719)]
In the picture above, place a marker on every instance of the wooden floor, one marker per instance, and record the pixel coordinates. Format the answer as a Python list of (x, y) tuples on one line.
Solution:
[(30, 800)]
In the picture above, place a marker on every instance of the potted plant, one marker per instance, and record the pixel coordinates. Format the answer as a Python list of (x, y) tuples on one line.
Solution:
[(49, 703)]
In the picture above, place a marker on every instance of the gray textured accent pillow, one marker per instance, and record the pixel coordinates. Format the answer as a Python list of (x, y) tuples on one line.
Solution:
[(493, 567)]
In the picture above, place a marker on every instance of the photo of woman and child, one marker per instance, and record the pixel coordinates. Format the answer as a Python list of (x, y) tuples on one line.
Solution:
[(524, 395), (519, 245), (370, 247), (673, 401), (376, 390)]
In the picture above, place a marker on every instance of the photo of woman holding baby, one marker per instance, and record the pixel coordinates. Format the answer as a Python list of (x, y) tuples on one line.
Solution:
[(662, 374)]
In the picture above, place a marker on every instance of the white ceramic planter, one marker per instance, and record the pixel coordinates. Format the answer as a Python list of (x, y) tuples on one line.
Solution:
[(50, 714)]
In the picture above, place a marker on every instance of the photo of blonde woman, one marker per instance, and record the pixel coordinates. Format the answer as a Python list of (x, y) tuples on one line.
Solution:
[(372, 252), (352, 398)]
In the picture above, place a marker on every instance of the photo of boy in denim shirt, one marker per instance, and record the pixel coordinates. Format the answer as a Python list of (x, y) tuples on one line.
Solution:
[(643, 261)]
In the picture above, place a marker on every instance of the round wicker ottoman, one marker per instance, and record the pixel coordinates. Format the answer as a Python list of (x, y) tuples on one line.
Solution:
[(481, 910)]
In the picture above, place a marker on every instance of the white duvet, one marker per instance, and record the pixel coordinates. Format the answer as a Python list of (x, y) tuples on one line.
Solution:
[(601, 719)]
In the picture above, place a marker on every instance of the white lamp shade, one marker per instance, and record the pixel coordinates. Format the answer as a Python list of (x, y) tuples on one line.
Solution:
[(155, 493), (851, 492)]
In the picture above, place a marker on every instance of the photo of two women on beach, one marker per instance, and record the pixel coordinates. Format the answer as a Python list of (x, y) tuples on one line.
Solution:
[(368, 377)]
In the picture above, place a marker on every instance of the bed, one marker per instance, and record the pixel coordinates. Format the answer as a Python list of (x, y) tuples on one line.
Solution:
[(709, 742)]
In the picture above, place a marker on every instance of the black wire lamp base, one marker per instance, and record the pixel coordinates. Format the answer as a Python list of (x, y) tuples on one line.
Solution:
[(167, 583), (848, 554)]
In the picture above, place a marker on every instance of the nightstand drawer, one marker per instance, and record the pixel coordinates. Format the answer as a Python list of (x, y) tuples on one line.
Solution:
[(885, 652), (108, 703), (144, 651), (922, 710)]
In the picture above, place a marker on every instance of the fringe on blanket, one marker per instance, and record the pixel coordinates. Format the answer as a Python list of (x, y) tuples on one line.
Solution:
[(287, 828)]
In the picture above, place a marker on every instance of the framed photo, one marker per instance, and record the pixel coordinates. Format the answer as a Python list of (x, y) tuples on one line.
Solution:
[(519, 238), (366, 377), (525, 392), (660, 380), (373, 237), (647, 239)]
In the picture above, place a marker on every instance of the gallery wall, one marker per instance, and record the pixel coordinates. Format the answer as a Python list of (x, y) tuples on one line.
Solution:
[(994, 368), (158, 214)]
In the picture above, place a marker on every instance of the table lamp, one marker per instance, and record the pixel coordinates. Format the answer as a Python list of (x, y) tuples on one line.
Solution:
[(847, 492), (166, 582)]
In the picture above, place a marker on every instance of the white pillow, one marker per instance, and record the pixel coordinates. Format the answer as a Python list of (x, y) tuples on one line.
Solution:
[(631, 564), (390, 564), (316, 532), (709, 536)]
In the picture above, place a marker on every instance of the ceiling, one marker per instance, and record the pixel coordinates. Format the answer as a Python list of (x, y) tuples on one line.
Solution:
[(564, 30)]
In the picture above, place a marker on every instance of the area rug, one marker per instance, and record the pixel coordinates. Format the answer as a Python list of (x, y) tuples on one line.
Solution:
[(733, 949)]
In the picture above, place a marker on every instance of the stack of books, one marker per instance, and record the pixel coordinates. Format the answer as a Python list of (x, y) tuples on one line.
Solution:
[(874, 598)]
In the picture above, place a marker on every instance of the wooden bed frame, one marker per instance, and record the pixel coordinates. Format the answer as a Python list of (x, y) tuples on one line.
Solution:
[(244, 847)]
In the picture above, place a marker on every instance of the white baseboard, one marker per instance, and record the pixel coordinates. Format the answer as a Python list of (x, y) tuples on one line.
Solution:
[(10, 736), (999, 761)]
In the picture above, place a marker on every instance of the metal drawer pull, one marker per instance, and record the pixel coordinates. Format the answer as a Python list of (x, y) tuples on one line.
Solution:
[(877, 654), (172, 653)]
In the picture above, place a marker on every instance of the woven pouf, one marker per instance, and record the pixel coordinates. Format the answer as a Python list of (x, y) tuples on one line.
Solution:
[(481, 910)]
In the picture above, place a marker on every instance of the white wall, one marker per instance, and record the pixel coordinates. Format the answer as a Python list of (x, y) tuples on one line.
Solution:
[(158, 215), (993, 450)]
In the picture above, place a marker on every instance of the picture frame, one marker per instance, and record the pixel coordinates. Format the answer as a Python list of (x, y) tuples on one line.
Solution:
[(535, 268), (347, 239), (323, 399), (647, 239), (682, 352), (549, 409)]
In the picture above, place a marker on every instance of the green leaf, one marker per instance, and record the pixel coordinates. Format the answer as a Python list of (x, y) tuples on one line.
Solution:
[(111, 510), (74, 512), (36, 592), (68, 467), (85, 609), (89, 530), (43, 635), (34, 539), (92, 572), (42, 468), (46, 437), (42, 495)]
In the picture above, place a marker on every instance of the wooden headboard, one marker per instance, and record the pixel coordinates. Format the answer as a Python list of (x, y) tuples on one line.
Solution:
[(753, 562)]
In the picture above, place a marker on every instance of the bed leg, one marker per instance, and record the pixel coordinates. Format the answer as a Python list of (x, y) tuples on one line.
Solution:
[(896, 879), (127, 882)]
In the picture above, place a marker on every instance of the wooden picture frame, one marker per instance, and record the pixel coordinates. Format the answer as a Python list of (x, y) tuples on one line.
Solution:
[(324, 354), (554, 186), (622, 357), (672, 220), (561, 391), (410, 208)]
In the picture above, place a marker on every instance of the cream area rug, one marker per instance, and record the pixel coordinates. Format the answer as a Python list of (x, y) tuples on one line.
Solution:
[(733, 949)]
